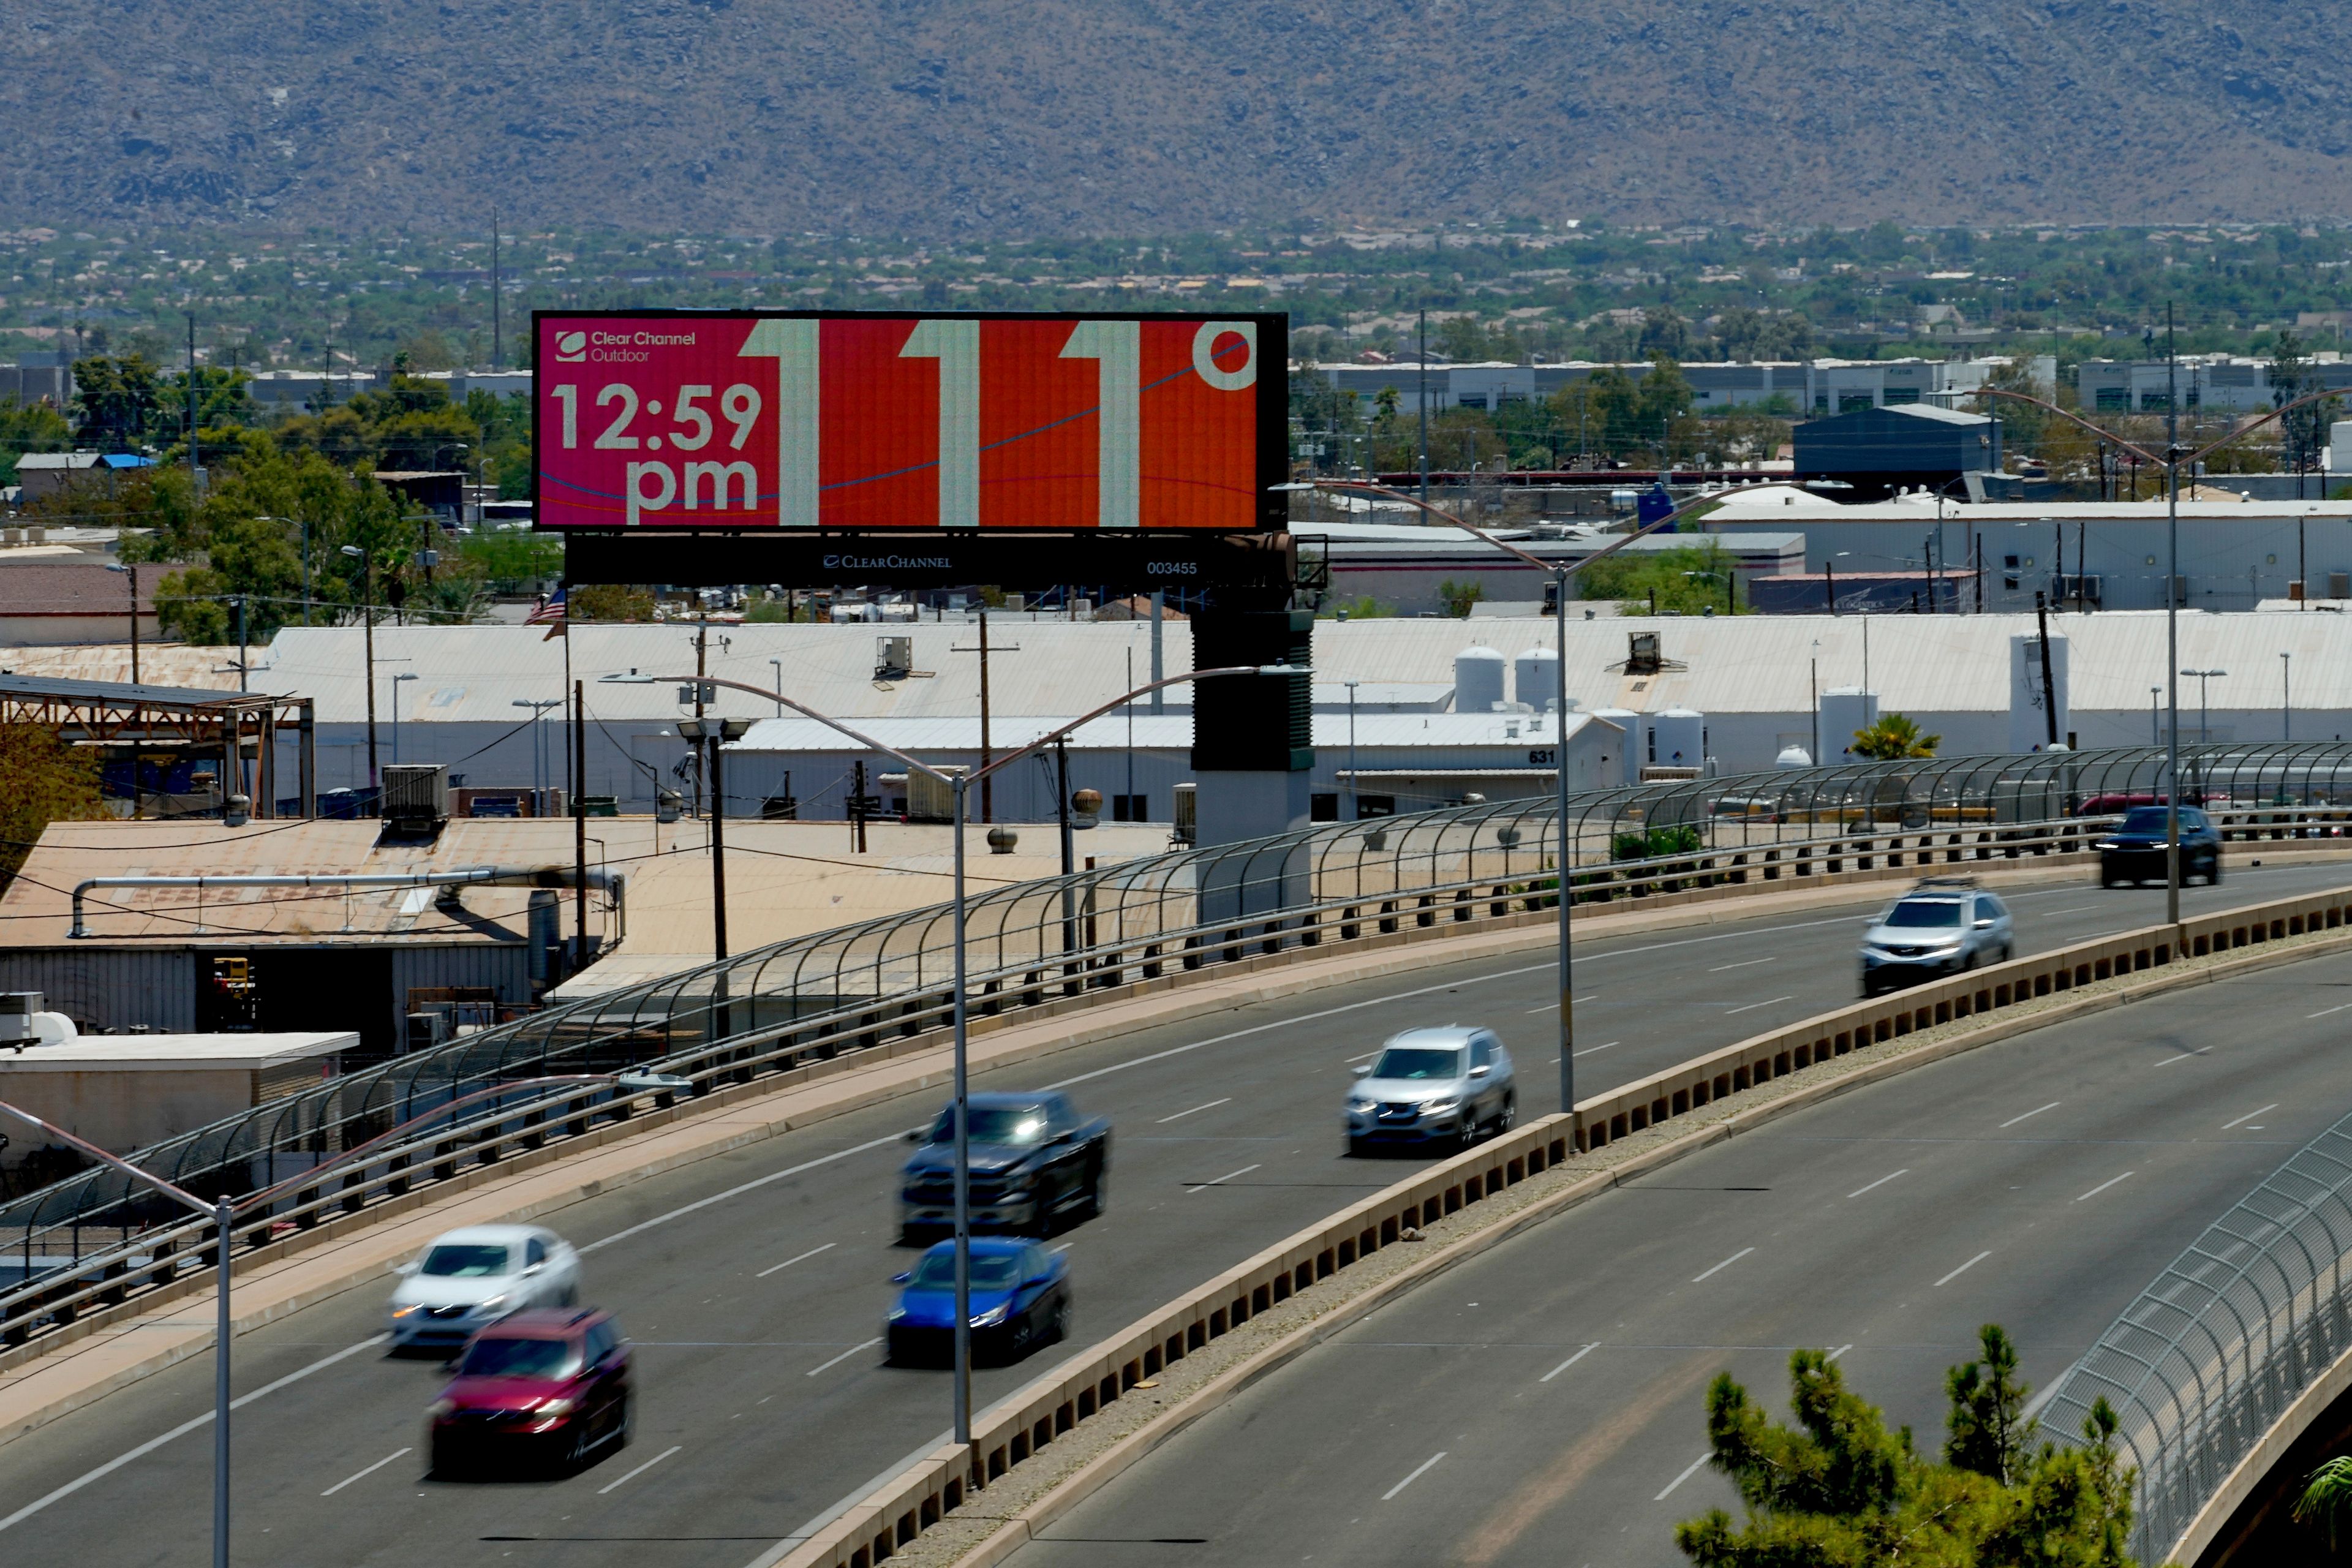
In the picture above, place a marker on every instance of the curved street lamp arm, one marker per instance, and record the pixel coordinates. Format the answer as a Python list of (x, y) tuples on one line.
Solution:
[(2243, 430), (1113, 706), (2071, 419), (102, 1156)]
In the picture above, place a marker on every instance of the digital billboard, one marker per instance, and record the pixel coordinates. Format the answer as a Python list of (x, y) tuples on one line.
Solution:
[(869, 422)]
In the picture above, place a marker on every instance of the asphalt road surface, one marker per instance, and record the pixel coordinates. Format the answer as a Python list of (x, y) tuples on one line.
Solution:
[(755, 1284)]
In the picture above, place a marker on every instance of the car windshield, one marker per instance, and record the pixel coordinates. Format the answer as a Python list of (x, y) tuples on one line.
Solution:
[(990, 1270), (1923, 912), (2148, 819), (995, 1124), (1418, 1062), (521, 1358), (467, 1260)]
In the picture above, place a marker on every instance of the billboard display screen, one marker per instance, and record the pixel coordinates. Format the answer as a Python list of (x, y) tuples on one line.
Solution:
[(871, 422)]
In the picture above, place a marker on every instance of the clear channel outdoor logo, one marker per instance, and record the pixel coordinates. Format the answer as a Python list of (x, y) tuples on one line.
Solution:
[(570, 347)]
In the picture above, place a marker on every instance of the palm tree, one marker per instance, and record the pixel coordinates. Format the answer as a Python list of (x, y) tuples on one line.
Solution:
[(2326, 1500), (1893, 738)]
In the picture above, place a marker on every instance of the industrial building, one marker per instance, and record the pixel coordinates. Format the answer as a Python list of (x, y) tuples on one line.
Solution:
[(1872, 453), (1818, 385), (2231, 384)]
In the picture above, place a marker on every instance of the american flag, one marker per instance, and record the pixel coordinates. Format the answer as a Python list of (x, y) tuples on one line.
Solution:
[(550, 613)]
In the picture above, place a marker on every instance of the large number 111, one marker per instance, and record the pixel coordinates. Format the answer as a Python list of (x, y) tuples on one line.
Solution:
[(1116, 346)]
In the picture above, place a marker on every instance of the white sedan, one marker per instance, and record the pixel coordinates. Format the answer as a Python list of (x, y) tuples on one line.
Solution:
[(475, 1276)]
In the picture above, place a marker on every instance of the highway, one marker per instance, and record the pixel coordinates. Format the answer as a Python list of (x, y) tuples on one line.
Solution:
[(755, 1284), (1543, 1403)]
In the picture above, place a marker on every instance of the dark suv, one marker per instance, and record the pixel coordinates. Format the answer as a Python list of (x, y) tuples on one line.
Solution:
[(545, 1385), (2133, 851)]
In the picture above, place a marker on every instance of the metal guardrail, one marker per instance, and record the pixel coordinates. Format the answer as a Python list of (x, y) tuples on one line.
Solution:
[(2210, 1355), (88, 1240)]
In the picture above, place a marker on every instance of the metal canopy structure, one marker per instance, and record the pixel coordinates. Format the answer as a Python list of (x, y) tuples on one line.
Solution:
[(125, 720)]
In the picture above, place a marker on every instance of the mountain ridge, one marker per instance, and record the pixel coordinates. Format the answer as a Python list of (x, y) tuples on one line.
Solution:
[(1013, 118)]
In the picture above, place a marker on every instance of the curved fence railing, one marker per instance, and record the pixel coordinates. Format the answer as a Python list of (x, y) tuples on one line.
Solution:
[(90, 1240), (2226, 1337)]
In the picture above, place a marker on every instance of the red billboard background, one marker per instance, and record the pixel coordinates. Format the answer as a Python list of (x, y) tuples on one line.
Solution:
[(872, 422)]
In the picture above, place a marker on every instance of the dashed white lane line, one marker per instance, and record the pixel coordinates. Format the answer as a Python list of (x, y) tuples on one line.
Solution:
[(1421, 1470), (1880, 1182), (1194, 1111), (1753, 1005), (2030, 1115), (1963, 1269), (1569, 1362), (1837, 1352), (1594, 1050), (2325, 1011), (843, 1356), (1686, 1474), (2184, 1056), (1725, 1264), (2103, 1186), (2248, 1116), (1743, 964), (788, 1262), (1228, 1176), (183, 1428), (640, 1469), (738, 1191), (363, 1475)]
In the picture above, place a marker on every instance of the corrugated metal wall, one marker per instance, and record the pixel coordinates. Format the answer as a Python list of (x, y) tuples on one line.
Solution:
[(504, 967), (109, 987)]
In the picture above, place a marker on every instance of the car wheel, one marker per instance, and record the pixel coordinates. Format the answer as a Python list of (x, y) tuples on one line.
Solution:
[(1356, 1149), (1097, 1191), (1508, 1117), (627, 1426), (1469, 1133), (2213, 872), (1058, 1327), (575, 1456), (440, 1468)]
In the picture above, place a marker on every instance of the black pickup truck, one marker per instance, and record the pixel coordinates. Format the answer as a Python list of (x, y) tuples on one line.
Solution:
[(1035, 1161)]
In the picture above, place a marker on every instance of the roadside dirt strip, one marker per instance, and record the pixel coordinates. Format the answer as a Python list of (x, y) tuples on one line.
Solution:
[(105, 1350), (1039, 1453)]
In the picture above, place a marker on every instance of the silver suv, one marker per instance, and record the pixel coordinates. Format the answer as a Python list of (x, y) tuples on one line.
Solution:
[(1944, 925), (1448, 1085)]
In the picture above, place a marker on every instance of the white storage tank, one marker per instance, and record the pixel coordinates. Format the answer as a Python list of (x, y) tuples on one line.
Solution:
[(1625, 769), (1792, 758), (1477, 680), (1678, 739), (1535, 680), (1844, 710)]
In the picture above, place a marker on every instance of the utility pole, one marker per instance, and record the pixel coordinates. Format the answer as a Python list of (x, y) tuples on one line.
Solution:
[(987, 780), (193, 462), (498, 343), (701, 657), (579, 814), (2171, 619), (2049, 687), (1422, 367)]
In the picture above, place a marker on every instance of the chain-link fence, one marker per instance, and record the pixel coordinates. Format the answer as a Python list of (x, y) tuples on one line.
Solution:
[(2213, 1352), (1061, 941)]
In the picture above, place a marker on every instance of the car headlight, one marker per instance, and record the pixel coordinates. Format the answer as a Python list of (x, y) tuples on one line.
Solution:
[(559, 1407), (2106, 844), (440, 1407), (896, 1313), (491, 1305), (398, 1313), (1442, 1104), (1357, 1102), (990, 1318)]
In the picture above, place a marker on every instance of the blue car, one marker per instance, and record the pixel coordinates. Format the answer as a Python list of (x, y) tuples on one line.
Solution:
[(1020, 1300), (2133, 850)]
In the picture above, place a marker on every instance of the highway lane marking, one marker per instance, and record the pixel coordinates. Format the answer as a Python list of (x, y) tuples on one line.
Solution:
[(2184, 1056), (2248, 1116), (1425, 1465), (1569, 1362), (1554, 1006), (363, 1475), (1368, 1056), (1743, 964), (1686, 1474), (1963, 1269), (1880, 1182), (183, 1428), (2031, 1114), (1594, 1050), (1228, 1176), (1726, 1263), (2309, 1016), (835, 1361), (1300, 1018), (640, 1469), (1753, 1005), (788, 1262), (1182, 1114), (1837, 1352), (736, 1192), (2103, 1186)]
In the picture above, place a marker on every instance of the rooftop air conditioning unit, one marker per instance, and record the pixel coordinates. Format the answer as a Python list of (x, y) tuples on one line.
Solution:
[(894, 657), (16, 1010), (416, 793), (933, 800)]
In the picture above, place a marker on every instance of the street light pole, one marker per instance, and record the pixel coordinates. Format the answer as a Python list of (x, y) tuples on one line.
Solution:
[(2204, 711), (130, 568), (2286, 697), (367, 624), (961, 783), (1355, 784)]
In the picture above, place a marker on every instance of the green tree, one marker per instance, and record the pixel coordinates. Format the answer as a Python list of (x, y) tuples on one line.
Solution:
[(120, 402), (29, 427), (1893, 739), (43, 779), (1688, 580), (1988, 1431), (2324, 1505)]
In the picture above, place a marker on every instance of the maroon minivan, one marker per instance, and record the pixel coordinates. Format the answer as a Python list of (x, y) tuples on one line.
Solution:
[(544, 1386)]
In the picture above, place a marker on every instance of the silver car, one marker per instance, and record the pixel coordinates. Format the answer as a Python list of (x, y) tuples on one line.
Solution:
[(1944, 925), (474, 1277), (1430, 1086)]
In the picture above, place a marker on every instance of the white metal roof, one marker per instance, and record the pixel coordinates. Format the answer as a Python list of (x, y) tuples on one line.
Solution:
[(1163, 733), (176, 1053)]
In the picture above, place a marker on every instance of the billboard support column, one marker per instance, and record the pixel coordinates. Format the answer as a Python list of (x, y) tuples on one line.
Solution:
[(1253, 753)]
